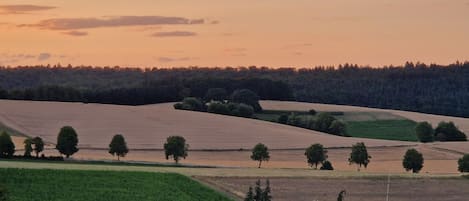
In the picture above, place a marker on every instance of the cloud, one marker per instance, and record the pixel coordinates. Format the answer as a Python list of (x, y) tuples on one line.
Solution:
[(43, 56), (170, 59), (297, 45), (75, 33), (119, 21), (235, 49), (174, 34), (215, 22), (22, 9)]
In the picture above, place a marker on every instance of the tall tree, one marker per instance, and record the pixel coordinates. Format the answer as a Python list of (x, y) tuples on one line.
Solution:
[(260, 153), (315, 154), (7, 147), (67, 141), (38, 145), (118, 146), (424, 132), (359, 155), (413, 160), (176, 147)]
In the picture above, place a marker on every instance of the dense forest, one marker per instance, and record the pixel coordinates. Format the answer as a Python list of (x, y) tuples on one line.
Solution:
[(418, 87)]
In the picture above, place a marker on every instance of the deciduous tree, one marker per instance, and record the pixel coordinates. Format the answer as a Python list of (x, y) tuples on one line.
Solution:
[(260, 153), (67, 141), (118, 146), (359, 155), (413, 160), (176, 147), (315, 154)]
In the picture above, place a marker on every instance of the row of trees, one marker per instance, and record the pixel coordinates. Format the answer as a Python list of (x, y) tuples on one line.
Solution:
[(445, 131), (323, 122)]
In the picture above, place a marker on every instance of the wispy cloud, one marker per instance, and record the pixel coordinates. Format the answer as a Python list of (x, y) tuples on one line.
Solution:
[(8, 58), (240, 49), (75, 33), (22, 9), (174, 34), (119, 21), (174, 59), (43, 56)]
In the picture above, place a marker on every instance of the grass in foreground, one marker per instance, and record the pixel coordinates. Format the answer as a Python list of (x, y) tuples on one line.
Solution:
[(80, 185), (403, 130)]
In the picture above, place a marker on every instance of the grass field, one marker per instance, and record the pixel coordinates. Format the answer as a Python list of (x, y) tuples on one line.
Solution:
[(383, 129), (80, 185)]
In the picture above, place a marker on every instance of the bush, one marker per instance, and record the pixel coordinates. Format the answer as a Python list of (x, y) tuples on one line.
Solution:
[(312, 112), (338, 128), (451, 132), (294, 120), (283, 119), (7, 148), (413, 160), (326, 165), (424, 132), (178, 106), (463, 163), (194, 104), (247, 97), (218, 108), (324, 122), (245, 110)]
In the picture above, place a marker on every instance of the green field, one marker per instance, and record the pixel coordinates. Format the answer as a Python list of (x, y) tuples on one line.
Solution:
[(81, 185), (375, 125), (383, 129)]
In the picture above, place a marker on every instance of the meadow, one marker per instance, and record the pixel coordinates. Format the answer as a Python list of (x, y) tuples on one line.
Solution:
[(81, 185)]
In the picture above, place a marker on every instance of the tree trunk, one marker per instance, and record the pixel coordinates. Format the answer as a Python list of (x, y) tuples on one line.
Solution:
[(118, 157), (260, 162)]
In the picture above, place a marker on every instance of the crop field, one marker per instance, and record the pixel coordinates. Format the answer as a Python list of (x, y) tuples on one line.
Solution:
[(383, 129), (373, 188), (38, 185)]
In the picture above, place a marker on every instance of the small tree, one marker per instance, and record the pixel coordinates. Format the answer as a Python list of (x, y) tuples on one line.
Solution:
[(312, 112), (315, 154), (67, 141), (413, 160), (118, 146), (266, 192), (359, 155), (28, 148), (176, 147), (7, 147), (463, 163), (338, 128), (38, 145), (327, 165), (341, 195), (424, 132), (260, 153), (249, 195)]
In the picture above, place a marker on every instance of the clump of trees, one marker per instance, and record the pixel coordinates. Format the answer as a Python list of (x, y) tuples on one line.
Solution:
[(233, 109), (176, 147), (316, 154), (118, 146), (67, 141), (445, 131), (324, 122), (7, 147), (259, 193), (424, 132), (413, 161), (463, 163), (260, 153), (359, 155)]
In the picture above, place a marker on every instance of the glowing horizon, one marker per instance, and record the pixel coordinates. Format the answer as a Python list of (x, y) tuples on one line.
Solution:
[(276, 33)]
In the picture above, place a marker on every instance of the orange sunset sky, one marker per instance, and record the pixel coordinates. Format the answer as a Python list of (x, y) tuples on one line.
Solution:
[(276, 33)]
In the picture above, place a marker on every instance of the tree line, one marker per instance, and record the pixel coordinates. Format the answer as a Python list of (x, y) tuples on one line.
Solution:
[(436, 89)]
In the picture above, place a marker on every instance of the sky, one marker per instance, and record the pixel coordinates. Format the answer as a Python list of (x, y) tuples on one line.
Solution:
[(219, 33)]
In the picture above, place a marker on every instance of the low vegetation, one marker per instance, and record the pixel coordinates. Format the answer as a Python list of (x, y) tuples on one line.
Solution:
[(413, 161), (31, 184)]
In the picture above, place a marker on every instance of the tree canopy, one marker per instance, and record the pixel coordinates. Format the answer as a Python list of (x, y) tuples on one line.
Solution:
[(260, 153), (67, 141), (413, 161), (315, 154), (118, 146), (359, 155), (176, 147), (38, 145), (7, 148), (424, 132), (463, 163)]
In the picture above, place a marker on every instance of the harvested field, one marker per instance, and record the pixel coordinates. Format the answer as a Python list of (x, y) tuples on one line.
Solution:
[(307, 188), (146, 127)]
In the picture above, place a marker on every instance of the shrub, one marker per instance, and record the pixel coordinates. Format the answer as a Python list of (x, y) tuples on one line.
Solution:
[(413, 160), (218, 108), (338, 128), (326, 165), (194, 104), (463, 163), (247, 97), (324, 122), (294, 120), (178, 106), (7, 147), (282, 119), (424, 132), (260, 153), (312, 112), (245, 110)]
